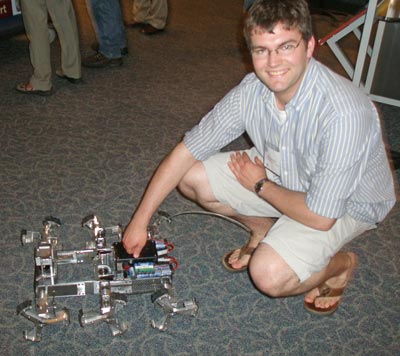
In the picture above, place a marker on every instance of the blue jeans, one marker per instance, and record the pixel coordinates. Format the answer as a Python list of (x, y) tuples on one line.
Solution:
[(109, 27)]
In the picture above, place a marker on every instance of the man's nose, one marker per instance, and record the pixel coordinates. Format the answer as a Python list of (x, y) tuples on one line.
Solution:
[(273, 59)]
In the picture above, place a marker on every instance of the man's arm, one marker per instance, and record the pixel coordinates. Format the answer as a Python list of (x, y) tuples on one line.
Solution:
[(288, 202), (166, 178)]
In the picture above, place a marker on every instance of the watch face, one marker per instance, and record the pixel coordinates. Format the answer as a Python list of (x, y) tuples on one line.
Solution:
[(260, 184)]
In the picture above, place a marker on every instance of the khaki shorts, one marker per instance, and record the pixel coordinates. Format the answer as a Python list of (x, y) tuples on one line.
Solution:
[(304, 249)]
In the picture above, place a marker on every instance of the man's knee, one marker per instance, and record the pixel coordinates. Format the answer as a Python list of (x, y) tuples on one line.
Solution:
[(269, 272), (265, 278), (194, 184)]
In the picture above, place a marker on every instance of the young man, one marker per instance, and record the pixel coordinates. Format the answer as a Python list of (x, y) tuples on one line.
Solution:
[(316, 178)]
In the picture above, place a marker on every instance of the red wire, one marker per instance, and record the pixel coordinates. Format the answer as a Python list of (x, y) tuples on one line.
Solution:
[(170, 246), (174, 263)]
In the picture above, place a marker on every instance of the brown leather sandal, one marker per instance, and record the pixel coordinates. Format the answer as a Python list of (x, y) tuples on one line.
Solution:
[(325, 292)]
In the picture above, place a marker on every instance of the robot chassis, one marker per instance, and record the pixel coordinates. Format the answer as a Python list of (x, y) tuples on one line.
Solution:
[(116, 274)]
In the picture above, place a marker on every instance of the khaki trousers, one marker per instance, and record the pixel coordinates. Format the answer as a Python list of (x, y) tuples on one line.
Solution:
[(35, 15), (153, 12)]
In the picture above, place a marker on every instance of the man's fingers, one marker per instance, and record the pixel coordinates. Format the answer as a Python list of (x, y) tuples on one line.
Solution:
[(259, 162), (246, 157), (134, 250)]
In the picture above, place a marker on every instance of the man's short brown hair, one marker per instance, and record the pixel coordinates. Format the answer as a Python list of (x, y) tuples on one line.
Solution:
[(266, 14)]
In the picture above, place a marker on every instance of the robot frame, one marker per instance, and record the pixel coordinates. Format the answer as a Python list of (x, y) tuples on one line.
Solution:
[(116, 275)]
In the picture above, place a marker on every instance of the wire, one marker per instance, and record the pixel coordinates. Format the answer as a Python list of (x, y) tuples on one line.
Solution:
[(173, 262), (244, 227)]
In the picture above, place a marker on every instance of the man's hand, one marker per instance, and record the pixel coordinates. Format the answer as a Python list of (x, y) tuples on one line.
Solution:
[(247, 173), (166, 178), (134, 239)]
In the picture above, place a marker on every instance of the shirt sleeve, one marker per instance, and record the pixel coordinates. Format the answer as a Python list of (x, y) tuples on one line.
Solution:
[(219, 127), (343, 156)]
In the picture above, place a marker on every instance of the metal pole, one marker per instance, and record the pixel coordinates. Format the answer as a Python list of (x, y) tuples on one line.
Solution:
[(362, 53)]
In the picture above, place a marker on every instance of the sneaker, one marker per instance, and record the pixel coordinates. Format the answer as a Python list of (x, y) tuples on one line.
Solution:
[(98, 60)]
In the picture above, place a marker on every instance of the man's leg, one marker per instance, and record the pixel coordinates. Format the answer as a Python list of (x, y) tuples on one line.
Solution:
[(340, 270), (140, 10), (63, 16), (195, 186), (294, 259), (107, 21), (259, 228), (277, 279), (35, 19), (158, 14)]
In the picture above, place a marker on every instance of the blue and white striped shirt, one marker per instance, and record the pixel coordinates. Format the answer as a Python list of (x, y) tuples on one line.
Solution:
[(331, 144)]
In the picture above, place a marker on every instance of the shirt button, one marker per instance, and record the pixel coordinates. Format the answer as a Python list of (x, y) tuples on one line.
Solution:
[(285, 173)]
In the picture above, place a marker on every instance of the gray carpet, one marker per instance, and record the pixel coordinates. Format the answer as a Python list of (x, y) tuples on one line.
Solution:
[(92, 149)]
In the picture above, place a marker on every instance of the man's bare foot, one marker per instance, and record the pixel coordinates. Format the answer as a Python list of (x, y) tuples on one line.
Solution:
[(325, 298), (238, 260)]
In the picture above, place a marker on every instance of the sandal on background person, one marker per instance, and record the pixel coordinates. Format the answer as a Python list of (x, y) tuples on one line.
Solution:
[(27, 88)]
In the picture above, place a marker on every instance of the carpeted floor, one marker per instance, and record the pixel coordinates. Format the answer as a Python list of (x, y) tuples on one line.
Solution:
[(92, 149)]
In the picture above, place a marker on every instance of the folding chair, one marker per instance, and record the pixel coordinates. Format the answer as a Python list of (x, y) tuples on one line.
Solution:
[(361, 25)]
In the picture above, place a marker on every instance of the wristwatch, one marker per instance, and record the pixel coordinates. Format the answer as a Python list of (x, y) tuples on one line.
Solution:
[(259, 185)]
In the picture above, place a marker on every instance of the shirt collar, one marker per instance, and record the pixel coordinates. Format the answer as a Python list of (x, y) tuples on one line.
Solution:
[(304, 92)]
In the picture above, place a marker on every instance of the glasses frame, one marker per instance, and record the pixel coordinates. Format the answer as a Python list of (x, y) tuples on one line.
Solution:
[(278, 51)]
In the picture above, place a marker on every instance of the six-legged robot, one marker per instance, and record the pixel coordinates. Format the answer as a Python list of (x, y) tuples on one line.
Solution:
[(116, 274)]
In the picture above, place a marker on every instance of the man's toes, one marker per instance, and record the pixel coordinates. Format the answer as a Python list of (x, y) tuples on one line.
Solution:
[(234, 257), (241, 262), (311, 295), (325, 303)]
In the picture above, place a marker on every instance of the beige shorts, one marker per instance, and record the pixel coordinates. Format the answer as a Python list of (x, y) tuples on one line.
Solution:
[(304, 249)]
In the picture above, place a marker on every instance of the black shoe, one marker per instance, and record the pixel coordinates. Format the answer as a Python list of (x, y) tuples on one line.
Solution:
[(98, 60), (95, 47), (134, 24), (150, 30), (60, 74)]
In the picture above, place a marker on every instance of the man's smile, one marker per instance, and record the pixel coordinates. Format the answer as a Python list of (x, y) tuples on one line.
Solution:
[(279, 73)]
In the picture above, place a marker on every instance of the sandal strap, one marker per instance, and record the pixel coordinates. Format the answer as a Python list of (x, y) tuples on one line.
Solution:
[(246, 250), (326, 291)]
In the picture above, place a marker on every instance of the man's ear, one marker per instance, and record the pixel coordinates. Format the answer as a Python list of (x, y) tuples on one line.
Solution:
[(310, 47)]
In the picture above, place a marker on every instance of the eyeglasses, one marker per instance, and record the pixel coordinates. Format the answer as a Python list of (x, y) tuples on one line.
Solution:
[(284, 50)]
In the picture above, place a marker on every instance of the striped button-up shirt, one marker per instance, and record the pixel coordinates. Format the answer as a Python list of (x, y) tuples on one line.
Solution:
[(330, 143)]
